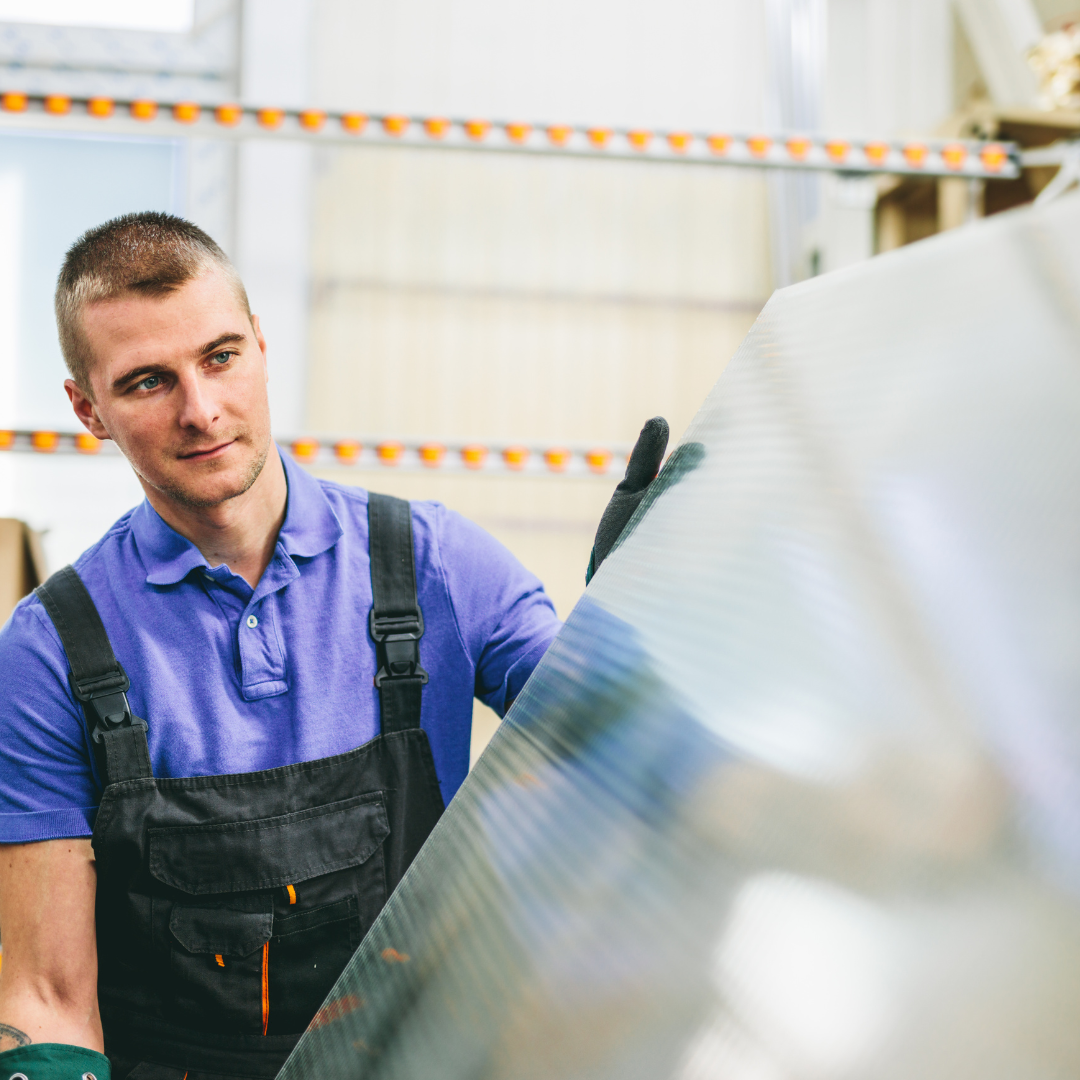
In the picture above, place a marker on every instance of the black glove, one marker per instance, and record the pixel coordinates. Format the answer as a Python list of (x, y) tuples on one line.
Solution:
[(641, 470), (641, 485)]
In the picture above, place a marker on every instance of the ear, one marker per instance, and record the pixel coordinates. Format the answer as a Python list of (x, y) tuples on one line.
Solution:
[(85, 410), (261, 342)]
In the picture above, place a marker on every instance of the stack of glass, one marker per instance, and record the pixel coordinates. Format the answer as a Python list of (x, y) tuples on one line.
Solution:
[(796, 792)]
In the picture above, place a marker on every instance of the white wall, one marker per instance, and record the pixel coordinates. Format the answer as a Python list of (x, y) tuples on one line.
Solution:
[(536, 298), (889, 68), (272, 240), (680, 63), (888, 73)]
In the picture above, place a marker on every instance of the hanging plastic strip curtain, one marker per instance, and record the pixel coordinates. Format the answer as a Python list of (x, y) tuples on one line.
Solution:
[(796, 792)]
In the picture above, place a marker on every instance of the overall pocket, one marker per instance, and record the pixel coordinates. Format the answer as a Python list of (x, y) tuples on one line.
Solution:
[(259, 917), (269, 853), (307, 953), (217, 958)]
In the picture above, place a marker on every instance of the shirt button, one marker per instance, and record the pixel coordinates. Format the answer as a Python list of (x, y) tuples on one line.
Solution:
[(252, 621)]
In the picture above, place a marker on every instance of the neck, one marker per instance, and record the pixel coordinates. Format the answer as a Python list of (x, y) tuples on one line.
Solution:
[(241, 532)]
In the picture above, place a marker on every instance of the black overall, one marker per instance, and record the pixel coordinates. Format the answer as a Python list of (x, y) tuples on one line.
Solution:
[(227, 906)]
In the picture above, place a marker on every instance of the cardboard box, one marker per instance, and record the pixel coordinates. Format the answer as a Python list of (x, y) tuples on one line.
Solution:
[(22, 563)]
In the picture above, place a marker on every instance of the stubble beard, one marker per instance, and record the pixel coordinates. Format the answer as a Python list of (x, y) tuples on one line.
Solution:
[(191, 501)]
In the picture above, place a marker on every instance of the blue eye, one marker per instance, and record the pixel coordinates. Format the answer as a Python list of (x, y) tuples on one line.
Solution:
[(222, 357), (151, 382)]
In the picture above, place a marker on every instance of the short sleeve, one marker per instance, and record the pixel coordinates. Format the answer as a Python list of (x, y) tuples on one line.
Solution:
[(506, 619), (48, 784)]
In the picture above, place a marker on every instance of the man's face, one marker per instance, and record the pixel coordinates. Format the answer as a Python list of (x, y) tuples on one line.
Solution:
[(180, 386)]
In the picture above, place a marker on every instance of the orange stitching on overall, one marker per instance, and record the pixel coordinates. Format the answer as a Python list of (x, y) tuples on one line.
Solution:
[(266, 986)]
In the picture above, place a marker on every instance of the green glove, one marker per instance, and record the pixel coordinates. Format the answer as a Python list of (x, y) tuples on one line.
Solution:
[(54, 1061)]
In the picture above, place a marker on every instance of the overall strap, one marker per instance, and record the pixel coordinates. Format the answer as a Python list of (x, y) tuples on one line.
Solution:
[(97, 679), (396, 621)]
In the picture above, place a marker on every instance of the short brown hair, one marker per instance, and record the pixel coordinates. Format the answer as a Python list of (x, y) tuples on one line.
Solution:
[(150, 254)]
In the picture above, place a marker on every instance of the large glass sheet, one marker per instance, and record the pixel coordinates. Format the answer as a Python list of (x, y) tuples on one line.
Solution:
[(795, 793)]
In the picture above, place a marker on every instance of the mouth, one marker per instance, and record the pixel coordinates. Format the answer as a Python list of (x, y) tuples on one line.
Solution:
[(209, 454)]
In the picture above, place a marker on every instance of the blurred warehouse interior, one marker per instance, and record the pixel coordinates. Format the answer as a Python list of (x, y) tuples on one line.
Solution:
[(412, 293)]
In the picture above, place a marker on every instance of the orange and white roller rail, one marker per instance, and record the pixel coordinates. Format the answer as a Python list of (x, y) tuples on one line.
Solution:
[(971, 158), (493, 458)]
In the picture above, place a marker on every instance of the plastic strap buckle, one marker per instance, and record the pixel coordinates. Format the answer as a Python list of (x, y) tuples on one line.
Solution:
[(399, 637), (105, 699)]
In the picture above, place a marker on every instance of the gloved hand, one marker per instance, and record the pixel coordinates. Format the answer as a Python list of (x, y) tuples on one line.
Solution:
[(54, 1061), (641, 470), (641, 484)]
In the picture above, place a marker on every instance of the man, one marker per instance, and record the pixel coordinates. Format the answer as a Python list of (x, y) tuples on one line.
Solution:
[(254, 693)]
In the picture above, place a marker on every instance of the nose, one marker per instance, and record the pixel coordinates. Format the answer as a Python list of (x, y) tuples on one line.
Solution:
[(198, 405)]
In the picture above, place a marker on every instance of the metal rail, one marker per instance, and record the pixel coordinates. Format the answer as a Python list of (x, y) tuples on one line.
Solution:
[(408, 455), (970, 158), (1066, 155)]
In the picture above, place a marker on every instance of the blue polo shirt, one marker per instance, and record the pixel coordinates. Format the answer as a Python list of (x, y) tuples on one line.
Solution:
[(232, 679)]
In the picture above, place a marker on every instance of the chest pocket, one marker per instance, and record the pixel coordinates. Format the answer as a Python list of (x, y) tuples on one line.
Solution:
[(260, 917)]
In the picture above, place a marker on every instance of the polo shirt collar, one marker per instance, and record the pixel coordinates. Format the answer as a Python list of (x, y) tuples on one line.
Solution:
[(310, 528)]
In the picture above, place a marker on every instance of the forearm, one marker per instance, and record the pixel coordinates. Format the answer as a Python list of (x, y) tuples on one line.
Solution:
[(37, 1013), (48, 984)]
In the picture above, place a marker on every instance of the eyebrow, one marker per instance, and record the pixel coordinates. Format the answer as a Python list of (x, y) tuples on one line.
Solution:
[(225, 339), (152, 369)]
